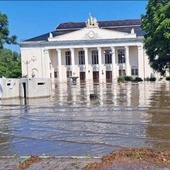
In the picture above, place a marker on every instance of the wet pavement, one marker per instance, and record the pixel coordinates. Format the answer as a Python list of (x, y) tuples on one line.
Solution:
[(71, 124)]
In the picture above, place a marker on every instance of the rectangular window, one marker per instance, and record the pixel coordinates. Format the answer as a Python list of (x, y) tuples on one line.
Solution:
[(108, 57), (55, 74), (81, 55), (122, 73), (95, 57), (121, 56), (134, 72), (69, 73), (68, 57)]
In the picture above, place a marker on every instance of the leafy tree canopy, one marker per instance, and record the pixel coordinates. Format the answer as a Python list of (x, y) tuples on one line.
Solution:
[(156, 24), (10, 64), (4, 32)]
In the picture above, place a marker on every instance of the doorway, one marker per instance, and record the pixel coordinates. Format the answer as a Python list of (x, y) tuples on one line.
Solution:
[(24, 89), (82, 76), (95, 76), (108, 76)]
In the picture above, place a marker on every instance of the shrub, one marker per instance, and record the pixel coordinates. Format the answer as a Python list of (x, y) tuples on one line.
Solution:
[(137, 79), (152, 79), (147, 79), (168, 78), (128, 78), (121, 79)]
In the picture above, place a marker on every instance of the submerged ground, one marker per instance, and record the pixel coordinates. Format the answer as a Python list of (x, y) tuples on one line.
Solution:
[(71, 124)]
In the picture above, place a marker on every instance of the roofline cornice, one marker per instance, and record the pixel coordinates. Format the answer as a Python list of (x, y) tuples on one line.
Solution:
[(80, 42)]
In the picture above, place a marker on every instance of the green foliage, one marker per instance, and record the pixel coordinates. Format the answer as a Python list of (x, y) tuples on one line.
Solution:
[(4, 32), (10, 64), (137, 79), (147, 79), (120, 79), (128, 78), (156, 24), (168, 78), (152, 79)]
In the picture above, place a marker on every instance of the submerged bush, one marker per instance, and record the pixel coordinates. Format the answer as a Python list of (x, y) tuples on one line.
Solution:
[(168, 78), (128, 78), (120, 79), (152, 79), (137, 79)]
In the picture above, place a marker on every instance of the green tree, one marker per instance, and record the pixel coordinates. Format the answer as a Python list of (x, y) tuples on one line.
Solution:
[(4, 32), (156, 24), (10, 64)]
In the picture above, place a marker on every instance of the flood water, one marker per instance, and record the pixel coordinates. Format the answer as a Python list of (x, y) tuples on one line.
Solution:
[(70, 123)]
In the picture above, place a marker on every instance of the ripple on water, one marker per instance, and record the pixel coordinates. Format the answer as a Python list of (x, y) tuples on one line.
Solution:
[(69, 123)]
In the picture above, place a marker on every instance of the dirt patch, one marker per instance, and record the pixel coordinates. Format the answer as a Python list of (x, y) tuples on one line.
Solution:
[(28, 162), (131, 159)]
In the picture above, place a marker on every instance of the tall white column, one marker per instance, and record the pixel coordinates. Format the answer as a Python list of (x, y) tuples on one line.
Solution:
[(113, 63), (47, 63), (72, 61), (59, 63), (127, 64), (140, 62), (86, 62), (100, 61)]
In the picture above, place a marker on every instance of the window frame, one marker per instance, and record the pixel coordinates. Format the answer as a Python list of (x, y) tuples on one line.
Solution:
[(68, 57), (108, 56), (81, 56), (95, 57), (134, 71), (121, 56)]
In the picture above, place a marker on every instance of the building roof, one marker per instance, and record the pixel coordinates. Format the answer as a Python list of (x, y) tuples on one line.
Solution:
[(117, 25), (102, 24)]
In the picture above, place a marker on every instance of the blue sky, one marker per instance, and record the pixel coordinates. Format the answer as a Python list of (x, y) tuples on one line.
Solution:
[(28, 19)]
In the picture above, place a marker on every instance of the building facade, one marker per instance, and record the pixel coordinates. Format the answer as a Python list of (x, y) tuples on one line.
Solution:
[(92, 51)]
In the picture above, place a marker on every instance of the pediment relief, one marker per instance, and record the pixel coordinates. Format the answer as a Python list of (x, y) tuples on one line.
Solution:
[(89, 33)]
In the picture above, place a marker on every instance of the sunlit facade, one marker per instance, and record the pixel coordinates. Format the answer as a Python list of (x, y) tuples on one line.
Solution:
[(92, 51)]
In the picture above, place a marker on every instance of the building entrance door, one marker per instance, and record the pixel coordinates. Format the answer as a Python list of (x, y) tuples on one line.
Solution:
[(95, 76), (82, 76), (108, 76)]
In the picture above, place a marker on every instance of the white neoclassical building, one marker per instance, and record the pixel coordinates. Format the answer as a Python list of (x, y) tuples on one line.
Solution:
[(92, 51)]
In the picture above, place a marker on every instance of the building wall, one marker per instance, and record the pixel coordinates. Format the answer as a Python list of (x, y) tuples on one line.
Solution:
[(32, 59), (36, 60)]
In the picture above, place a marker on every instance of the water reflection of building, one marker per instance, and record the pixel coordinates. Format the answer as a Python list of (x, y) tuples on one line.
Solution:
[(128, 94)]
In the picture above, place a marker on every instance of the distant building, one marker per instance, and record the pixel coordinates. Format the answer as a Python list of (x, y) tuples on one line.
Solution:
[(91, 50)]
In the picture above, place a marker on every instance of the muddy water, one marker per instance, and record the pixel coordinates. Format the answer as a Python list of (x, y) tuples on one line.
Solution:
[(70, 123)]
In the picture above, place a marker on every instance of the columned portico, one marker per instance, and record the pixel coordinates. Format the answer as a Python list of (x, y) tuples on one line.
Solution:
[(127, 64), (59, 63), (113, 63), (100, 61), (72, 61), (86, 62)]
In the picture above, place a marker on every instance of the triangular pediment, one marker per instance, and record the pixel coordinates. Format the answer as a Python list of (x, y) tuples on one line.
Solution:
[(92, 33)]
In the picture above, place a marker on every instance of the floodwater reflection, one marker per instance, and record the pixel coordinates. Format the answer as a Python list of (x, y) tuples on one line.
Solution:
[(70, 123)]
